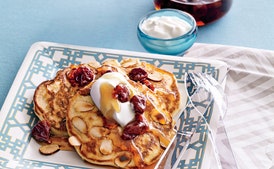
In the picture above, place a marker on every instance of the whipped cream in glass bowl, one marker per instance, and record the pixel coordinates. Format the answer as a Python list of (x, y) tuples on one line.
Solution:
[(167, 31)]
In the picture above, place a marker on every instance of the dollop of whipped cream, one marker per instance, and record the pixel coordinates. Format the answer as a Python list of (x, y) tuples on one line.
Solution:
[(101, 94), (165, 27)]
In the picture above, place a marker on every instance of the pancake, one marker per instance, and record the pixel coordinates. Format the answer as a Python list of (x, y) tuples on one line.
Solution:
[(51, 98), (101, 140), (66, 104)]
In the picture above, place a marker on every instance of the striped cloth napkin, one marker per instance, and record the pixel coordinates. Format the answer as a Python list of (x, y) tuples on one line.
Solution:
[(249, 120)]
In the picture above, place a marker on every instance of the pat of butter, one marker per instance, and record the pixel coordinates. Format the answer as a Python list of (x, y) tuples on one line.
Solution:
[(111, 108)]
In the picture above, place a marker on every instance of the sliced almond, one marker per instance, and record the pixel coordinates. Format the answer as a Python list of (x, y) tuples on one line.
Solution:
[(49, 149), (123, 160), (74, 141), (149, 145), (82, 106), (158, 117), (54, 87), (111, 62), (98, 132), (155, 76), (94, 64), (129, 62), (164, 141), (79, 124), (106, 147), (106, 68)]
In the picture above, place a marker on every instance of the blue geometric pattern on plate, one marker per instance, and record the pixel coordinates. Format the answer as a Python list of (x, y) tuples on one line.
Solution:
[(15, 132)]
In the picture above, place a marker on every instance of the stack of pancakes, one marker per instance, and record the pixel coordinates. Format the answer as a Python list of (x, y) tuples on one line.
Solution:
[(72, 114)]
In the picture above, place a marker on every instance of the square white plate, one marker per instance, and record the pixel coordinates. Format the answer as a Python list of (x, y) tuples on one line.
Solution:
[(44, 59)]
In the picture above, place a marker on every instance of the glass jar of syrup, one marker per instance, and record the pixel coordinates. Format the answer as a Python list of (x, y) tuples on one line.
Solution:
[(204, 11)]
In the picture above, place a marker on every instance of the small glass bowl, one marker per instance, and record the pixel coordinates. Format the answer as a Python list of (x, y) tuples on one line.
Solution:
[(173, 46)]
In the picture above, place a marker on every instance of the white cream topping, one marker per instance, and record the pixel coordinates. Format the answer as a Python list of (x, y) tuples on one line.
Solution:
[(101, 94), (165, 27)]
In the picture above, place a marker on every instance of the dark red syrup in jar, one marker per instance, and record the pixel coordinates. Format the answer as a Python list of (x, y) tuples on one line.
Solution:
[(204, 11)]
